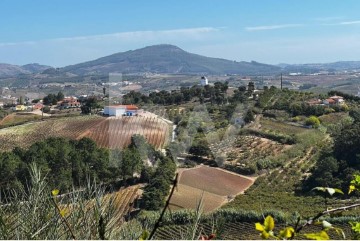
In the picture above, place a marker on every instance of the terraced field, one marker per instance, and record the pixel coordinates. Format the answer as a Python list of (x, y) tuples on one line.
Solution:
[(247, 149), (281, 127)]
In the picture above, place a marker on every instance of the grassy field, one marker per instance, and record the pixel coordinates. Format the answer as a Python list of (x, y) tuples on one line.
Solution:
[(17, 119)]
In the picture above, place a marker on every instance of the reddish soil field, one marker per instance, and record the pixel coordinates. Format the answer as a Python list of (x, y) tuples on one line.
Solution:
[(215, 180), (189, 197), (106, 132), (116, 132), (213, 186)]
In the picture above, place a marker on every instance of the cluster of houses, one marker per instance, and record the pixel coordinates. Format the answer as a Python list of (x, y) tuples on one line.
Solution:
[(67, 102), (331, 101)]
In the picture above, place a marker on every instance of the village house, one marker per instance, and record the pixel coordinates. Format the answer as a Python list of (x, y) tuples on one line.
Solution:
[(69, 102), (334, 100), (120, 110), (38, 106), (20, 108)]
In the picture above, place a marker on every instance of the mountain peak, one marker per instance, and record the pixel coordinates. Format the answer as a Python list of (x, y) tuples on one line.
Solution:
[(161, 48), (166, 58)]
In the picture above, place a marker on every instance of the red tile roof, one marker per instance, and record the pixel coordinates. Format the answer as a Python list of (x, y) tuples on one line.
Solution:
[(128, 107)]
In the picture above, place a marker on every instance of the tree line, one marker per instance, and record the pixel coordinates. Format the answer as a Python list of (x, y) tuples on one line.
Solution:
[(339, 161), (72, 164)]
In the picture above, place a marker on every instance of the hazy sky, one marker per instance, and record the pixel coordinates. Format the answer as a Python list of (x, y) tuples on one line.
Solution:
[(60, 33)]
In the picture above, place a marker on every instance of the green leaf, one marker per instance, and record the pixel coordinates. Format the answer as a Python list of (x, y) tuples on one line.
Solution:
[(338, 191), (318, 236), (269, 223), (355, 226)]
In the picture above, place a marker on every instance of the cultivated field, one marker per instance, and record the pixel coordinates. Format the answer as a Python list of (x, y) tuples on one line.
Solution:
[(239, 231), (116, 132), (107, 132), (213, 185)]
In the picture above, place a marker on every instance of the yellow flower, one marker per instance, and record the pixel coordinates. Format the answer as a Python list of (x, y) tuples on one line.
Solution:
[(287, 232), (55, 192), (266, 229), (63, 212), (351, 188)]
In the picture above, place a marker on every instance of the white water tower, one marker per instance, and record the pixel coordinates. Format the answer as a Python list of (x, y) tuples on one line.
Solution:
[(204, 81)]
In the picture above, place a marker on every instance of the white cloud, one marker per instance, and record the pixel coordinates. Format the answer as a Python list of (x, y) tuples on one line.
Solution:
[(343, 23), (271, 27), (77, 49), (350, 22), (189, 32)]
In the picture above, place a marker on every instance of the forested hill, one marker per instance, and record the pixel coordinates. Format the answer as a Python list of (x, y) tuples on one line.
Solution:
[(166, 58)]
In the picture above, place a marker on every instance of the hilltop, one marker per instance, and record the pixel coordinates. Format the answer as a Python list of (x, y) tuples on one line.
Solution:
[(165, 58), (7, 70)]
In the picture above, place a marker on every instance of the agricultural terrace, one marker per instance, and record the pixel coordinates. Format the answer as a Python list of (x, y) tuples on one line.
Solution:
[(106, 132), (17, 119), (269, 125), (213, 185), (116, 132), (279, 188)]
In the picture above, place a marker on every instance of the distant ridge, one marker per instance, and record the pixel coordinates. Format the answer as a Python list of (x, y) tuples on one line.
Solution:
[(8, 70), (165, 58)]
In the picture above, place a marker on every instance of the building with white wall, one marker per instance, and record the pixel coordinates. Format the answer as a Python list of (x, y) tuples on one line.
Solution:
[(204, 81), (120, 110)]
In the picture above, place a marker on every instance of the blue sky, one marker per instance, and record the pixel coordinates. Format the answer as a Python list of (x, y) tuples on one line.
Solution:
[(60, 33)]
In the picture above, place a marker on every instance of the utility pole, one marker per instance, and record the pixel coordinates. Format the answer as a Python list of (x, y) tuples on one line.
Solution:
[(281, 84)]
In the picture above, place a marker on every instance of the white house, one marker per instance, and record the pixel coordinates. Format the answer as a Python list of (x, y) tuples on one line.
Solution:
[(120, 110), (204, 81)]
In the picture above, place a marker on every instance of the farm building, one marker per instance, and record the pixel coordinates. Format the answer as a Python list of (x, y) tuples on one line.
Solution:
[(334, 100), (119, 110)]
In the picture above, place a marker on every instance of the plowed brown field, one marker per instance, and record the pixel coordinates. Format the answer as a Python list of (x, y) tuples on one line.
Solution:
[(214, 186)]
